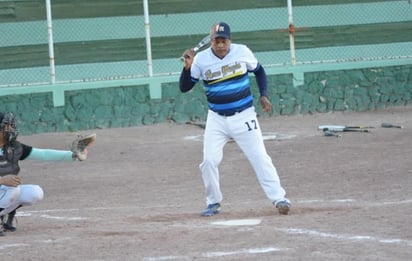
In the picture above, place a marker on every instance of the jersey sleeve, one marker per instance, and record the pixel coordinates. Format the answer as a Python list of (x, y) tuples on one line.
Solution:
[(195, 72), (50, 155), (250, 59), (26, 151), (185, 81)]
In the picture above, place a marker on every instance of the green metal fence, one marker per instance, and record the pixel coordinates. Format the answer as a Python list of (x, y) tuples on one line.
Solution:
[(105, 40)]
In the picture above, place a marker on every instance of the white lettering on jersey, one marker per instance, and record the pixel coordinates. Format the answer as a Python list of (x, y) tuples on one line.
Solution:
[(225, 72), (210, 68)]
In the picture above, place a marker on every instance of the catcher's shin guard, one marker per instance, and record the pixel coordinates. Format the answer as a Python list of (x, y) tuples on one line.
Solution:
[(8, 225), (1, 220)]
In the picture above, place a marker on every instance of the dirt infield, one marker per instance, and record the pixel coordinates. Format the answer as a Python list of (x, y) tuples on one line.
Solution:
[(139, 196)]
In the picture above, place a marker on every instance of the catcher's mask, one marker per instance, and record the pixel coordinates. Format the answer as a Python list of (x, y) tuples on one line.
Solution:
[(8, 125)]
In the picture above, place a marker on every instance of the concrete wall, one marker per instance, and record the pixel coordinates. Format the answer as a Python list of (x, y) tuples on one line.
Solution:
[(326, 91)]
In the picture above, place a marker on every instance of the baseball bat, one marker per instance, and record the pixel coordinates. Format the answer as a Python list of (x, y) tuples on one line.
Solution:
[(204, 42), (200, 125), (342, 128), (389, 125), (331, 133)]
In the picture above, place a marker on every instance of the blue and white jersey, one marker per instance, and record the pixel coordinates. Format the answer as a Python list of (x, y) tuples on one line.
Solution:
[(226, 81)]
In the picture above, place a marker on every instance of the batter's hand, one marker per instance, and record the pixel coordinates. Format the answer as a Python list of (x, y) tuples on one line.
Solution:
[(10, 180), (266, 105), (188, 55)]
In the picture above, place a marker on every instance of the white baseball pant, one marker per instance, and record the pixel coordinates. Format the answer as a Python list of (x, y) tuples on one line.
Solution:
[(244, 129)]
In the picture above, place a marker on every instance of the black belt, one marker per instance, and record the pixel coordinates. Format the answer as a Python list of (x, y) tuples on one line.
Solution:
[(228, 114)]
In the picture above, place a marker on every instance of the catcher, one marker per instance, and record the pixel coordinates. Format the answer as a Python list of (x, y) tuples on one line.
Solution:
[(14, 194)]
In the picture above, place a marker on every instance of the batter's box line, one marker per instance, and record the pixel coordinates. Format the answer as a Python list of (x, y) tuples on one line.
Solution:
[(31, 212), (216, 254), (350, 238), (298, 202), (354, 201)]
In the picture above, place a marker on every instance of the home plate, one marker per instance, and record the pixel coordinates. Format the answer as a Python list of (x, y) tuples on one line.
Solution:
[(238, 222)]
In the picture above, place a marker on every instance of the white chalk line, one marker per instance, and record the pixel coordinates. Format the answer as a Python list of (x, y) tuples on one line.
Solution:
[(396, 202), (355, 202), (62, 218), (215, 254), (242, 251), (161, 258), (31, 212), (46, 216), (5, 246), (290, 231), (20, 245), (309, 201), (351, 238), (56, 240), (300, 231), (306, 201), (238, 222)]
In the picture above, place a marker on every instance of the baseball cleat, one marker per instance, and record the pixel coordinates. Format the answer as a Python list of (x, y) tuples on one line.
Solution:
[(283, 207), (9, 227), (212, 209)]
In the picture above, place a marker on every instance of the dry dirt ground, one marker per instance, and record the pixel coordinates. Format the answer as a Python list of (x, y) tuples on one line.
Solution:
[(139, 195)]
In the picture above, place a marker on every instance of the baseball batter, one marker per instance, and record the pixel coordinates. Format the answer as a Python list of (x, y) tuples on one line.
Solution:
[(224, 69), (13, 194)]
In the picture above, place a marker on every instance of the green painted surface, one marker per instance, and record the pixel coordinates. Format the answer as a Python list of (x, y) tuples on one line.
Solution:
[(348, 61), (123, 106), (29, 10), (132, 27)]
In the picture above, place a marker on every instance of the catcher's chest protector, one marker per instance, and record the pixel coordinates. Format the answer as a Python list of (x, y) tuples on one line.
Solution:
[(9, 159)]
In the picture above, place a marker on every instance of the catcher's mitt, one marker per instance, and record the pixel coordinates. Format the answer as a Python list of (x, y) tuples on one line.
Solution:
[(80, 144)]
